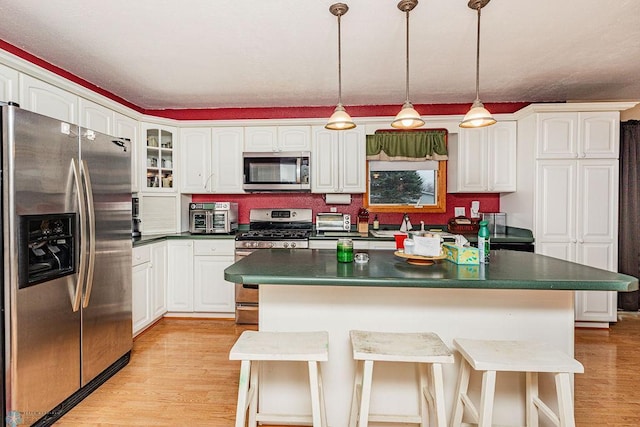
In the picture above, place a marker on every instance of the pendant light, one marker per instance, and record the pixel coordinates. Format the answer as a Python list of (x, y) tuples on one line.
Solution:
[(340, 119), (408, 117), (478, 116)]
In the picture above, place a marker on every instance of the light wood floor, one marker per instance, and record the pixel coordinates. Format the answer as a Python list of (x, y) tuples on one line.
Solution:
[(180, 375)]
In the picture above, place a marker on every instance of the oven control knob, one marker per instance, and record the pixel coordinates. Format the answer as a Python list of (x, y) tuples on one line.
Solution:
[(270, 244), (285, 245), (256, 244), (293, 244)]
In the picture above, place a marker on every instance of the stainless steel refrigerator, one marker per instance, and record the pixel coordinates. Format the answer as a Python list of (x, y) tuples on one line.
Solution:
[(66, 247)]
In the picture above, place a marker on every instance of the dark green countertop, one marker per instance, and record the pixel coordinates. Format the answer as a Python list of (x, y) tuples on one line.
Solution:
[(153, 238), (513, 235), (507, 270)]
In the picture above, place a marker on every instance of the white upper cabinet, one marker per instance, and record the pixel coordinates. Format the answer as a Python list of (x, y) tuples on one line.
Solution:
[(126, 127), (48, 100), (483, 160), (159, 149), (277, 138), (9, 86), (578, 135), (96, 117), (338, 162), (211, 160), (227, 175), (195, 158), (599, 133)]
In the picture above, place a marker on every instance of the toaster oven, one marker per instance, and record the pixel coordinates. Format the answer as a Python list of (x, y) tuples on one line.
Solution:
[(212, 218), (333, 221)]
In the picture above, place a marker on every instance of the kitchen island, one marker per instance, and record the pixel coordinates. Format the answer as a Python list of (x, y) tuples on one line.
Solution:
[(519, 295)]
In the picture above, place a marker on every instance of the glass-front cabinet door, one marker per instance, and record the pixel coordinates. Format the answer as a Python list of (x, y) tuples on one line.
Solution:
[(160, 162)]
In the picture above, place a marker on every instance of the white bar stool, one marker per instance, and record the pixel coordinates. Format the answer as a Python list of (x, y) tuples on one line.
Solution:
[(253, 347), (514, 356), (426, 349)]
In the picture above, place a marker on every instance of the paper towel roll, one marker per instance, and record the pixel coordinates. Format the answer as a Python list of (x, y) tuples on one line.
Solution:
[(338, 199)]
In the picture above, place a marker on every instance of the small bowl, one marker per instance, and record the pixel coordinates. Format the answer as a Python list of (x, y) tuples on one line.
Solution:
[(361, 258)]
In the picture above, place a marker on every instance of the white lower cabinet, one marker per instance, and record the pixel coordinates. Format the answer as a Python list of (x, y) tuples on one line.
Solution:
[(141, 288), (211, 292), (180, 275), (196, 276), (159, 280), (148, 285)]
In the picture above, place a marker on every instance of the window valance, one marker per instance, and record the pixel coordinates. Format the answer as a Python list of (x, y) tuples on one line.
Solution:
[(418, 145)]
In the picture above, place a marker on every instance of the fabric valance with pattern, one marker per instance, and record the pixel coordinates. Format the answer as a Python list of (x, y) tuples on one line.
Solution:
[(407, 145)]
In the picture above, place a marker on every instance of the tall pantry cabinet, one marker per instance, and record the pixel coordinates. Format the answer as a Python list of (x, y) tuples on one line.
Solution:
[(568, 191)]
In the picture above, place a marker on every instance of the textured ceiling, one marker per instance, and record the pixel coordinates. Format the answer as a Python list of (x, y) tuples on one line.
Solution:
[(256, 53)]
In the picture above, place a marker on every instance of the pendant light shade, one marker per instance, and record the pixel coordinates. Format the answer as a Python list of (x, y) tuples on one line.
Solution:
[(408, 117), (340, 119), (478, 116)]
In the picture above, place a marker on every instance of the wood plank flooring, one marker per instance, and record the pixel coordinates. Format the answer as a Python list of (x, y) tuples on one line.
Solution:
[(180, 375)]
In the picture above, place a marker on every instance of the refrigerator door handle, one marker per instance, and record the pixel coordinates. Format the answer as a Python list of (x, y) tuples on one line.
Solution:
[(83, 259), (84, 173)]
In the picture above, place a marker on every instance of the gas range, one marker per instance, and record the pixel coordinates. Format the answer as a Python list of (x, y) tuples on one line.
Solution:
[(277, 228)]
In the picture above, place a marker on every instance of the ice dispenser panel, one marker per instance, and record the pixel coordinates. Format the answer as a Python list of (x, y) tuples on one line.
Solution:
[(46, 248)]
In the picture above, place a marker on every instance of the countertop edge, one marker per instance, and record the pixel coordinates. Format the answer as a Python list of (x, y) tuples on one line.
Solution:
[(439, 284)]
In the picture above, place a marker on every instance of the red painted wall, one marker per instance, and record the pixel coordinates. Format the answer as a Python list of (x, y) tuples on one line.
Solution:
[(488, 203)]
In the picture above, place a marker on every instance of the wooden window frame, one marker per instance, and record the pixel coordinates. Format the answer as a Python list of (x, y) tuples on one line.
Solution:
[(441, 196)]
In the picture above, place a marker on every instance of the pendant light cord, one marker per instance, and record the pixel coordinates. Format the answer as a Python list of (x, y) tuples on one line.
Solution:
[(339, 63), (407, 61), (478, 58)]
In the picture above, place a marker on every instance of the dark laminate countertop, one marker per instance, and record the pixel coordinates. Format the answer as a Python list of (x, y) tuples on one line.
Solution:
[(507, 270)]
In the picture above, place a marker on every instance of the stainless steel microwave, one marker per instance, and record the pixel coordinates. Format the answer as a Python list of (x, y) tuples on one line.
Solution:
[(279, 171)]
